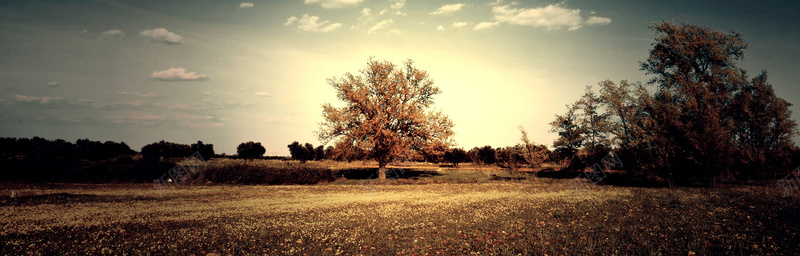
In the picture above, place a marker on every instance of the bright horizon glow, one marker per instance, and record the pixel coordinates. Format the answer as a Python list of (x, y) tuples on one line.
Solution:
[(227, 73)]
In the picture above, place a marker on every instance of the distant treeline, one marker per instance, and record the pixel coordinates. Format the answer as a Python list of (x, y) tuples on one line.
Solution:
[(40, 160)]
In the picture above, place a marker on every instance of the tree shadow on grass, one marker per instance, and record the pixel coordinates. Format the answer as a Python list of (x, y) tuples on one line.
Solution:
[(611, 179), (391, 173), (65, 198)]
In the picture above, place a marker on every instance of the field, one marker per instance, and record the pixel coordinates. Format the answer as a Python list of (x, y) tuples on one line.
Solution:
[(442, 211)]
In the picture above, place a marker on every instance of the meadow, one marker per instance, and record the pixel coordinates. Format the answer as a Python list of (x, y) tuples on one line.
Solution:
[(430, 210)]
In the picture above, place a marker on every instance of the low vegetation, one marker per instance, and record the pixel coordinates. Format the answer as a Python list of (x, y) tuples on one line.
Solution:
[(529, 216)]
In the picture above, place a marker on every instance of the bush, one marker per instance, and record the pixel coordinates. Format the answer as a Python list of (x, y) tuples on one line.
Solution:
[(252, 174)]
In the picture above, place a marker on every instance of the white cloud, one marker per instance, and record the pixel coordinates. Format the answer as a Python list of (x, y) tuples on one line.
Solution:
[(52, 84), (552, 17), (177, 74), (115, 33), (365, 12), (262, 94), (383, 12), (485, 25), (162, 35), (394, 31), (459, 24), (447, 9), (246, 5), (397, 4), (440, 28), (43, 100), (594, 20), (335, 4), (381, 25), (290, 21), (312, 24)]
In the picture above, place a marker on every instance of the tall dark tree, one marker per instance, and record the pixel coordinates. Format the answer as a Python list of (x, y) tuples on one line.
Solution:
[(570, 133), (764, 129), (250, 150)]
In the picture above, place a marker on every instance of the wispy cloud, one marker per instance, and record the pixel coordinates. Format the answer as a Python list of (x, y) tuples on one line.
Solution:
[(485, 25), (246, 5), (459, 24), (162, 35), (262, 94), (551, 17), (335, 4), (52, 84), (440, 28), (312, 24), (447, 9), (381, 25), (31, 99), (594, 20), (177, 74), (115, 33)]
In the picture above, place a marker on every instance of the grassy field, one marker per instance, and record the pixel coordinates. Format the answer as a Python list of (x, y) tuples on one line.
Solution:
[(442, 211)]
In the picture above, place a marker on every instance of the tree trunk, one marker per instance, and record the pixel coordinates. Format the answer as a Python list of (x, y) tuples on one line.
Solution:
[(381, 171)]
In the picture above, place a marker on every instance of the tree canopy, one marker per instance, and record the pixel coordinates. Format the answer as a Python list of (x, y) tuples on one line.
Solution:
[(387, 111)]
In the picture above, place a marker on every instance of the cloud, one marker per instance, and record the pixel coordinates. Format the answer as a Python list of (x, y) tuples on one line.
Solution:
[(440, 28), (262, 94), (397, 4), (246, 5), (335, 4), (312, 24), (206, 93), (290, 21), (114, 33), (447, 9), (146, 95), (381, 25), (485, 25), (365, 12), (177, 74), (43, 100), (552, 17), (271, 120), (594, 20), (459, 24), (52, 84), (162, 35)]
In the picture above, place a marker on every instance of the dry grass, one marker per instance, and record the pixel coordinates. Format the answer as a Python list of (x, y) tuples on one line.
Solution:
[(538, 217)]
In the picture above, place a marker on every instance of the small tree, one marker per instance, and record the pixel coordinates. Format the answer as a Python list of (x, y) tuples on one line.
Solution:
[(456, 156), (206, 150), (487, 155), (386, 112), (250, 150), (163, 149), (534, 154), (319, 153), (301, 152), (570, 134)]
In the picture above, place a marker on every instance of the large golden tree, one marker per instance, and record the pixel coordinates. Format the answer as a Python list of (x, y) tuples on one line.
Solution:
[(387, 111)]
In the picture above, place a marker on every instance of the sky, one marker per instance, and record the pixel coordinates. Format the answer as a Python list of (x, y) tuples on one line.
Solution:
[(227, 72)]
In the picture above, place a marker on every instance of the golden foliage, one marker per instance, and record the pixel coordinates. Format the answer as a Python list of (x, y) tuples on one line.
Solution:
[(386, 111)]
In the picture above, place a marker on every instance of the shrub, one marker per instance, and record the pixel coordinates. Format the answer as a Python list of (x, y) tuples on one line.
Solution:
[(252, 174)]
